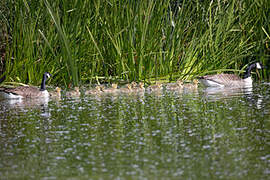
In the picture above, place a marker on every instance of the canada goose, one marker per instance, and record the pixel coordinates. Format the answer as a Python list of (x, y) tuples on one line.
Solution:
[(113, 89), (75, 93), (56, 93), (175, 86), (230, 79), (96, 90), (127, 89), (26, 91), (192, 86)]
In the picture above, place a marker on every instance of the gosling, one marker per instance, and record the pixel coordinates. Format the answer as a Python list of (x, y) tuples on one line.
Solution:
[(156, 87), (127, 89), (97, 90), (56, 93), (75, 93), (192, 86), (140, 88), (175, 86), (113, 89), (133, 85)]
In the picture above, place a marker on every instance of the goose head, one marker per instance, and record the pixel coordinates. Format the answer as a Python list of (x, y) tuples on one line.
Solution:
[(58, 89), (195, 81), (141, 85), (56, 93), (102, 87), (98, 88), (159, 85), (179, 83), (256, 65), (129, 86), (133, 84), (46, 76), (77, 89)]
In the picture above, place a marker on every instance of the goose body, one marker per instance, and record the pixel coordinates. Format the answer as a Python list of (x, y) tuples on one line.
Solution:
[(26, 91), (230, 80)]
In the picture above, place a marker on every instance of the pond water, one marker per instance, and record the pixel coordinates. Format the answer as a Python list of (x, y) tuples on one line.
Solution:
[(204, 134)]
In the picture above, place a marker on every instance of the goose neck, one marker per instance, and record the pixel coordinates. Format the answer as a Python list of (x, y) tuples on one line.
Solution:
[(43, 88)]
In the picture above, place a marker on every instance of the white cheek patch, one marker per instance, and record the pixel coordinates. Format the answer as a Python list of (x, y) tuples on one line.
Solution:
[(258, 66)]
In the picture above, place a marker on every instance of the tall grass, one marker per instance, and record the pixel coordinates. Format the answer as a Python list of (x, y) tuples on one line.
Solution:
[(89, 41)]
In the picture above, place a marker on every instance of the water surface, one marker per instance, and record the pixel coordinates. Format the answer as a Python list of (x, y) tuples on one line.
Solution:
[(204, 134)]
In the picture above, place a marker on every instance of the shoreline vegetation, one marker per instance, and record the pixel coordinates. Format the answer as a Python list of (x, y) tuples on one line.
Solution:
[(89, 42)]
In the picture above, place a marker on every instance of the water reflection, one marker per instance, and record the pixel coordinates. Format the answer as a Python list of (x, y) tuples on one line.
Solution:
[(26, 102), (222, 93), (226, 92), (169, 135), (24, 105)]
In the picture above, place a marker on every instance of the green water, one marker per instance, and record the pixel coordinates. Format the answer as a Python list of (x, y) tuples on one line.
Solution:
[(204, 134)]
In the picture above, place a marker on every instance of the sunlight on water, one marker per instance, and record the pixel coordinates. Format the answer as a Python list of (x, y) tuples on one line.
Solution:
[(209, 133)]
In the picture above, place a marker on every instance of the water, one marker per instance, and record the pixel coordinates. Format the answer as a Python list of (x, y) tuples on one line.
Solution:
[(204, 134)]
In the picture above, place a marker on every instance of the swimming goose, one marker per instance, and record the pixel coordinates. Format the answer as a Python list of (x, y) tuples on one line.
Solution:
[(26, 91), (75, 93), (220, 80)]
